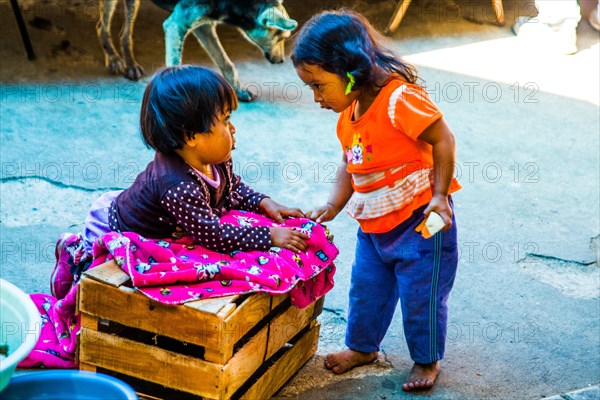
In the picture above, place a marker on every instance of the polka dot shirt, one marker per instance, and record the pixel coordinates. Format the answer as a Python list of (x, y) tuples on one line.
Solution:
[(169, 196), (193, 213)]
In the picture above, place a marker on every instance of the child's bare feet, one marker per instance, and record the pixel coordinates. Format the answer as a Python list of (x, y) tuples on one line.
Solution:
[(422, 376), (344, 361)]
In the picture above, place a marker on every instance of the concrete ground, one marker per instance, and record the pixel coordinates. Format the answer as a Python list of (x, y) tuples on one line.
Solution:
[(524, 312)]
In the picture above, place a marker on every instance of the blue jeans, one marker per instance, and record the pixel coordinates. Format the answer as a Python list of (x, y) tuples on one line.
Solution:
[(402, 265)]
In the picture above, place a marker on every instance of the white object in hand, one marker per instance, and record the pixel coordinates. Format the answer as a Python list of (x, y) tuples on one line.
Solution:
[(434, 223)]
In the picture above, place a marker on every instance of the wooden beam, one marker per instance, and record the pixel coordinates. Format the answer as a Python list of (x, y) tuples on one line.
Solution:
[(397, 16)]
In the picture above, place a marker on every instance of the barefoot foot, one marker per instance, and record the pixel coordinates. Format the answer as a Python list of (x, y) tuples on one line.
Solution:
[(344, 361), (422, 376)]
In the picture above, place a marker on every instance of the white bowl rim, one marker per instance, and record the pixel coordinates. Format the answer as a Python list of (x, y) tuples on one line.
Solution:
[(33, 316)]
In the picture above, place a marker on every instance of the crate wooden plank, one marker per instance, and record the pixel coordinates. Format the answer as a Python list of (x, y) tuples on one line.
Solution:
[(211, 306), (217, 356), (87, 367), (286, 326), (150, 363), (138, 311), (262, 346), (250, 313), (245, 317), (285, 367), (278, 299), (109, 273), (245, 362), (113, 275), (89, 321), (227, 310), (143, 396), (226, 352), (319, 306)]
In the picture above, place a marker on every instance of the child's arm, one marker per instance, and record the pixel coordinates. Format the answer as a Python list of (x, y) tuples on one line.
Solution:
[(251, 199), (441, 138), (339, 196), (186, 204), (258, 202)]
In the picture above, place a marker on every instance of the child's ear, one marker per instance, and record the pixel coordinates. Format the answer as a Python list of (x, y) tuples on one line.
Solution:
[(193, 141)]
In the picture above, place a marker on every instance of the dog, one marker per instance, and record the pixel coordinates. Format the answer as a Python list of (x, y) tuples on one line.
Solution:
[(264, 23)]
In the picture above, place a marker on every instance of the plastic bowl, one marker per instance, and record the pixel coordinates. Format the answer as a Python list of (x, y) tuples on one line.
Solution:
[(67, 385), (20, 325)]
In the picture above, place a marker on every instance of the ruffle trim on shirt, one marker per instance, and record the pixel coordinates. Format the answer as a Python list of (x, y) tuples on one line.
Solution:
[(386, 200)]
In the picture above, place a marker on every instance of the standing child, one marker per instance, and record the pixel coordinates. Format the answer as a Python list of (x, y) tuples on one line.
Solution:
[(186, 118), (397, 167)]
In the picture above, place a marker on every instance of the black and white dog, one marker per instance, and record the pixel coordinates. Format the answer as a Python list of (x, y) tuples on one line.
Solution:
[(264, 23)]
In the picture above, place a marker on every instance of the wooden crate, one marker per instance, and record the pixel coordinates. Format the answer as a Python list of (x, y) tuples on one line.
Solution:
[(231, 347)]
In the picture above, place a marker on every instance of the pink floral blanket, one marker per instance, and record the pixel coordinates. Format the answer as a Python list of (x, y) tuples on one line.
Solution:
[(174, 271)]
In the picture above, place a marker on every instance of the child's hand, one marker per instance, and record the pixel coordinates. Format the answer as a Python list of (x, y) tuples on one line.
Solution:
[(290, 239), (439, 204), (322, 214), (277, 212)]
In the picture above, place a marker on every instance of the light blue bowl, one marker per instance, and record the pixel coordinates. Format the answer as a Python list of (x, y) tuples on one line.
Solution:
[(20, 325), (67, 385)]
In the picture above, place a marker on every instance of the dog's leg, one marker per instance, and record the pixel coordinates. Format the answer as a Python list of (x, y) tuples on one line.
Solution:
[(207, 36), (133, 70), (112, 60), (176, 27)]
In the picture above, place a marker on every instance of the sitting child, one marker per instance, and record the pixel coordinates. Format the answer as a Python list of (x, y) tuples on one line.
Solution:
[(186, 118)]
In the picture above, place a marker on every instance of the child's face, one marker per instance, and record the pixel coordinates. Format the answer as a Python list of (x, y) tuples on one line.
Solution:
[(215, 146), (328, 88)]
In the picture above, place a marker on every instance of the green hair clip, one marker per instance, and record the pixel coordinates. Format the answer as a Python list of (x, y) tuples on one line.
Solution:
[(350, 84)]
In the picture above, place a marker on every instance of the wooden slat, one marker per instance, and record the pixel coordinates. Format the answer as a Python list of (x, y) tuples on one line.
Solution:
[(89, 321), (276, 376), (257, 310), (286, 326), (143, 396), (244, 318), (211, 306), (113, 275), (149, 363), (77, 303), (109, 272), (278, 299), (87, 367), (250, 357), (216, 356), (227, 310), (319, 306), (137, 311), (243, 364)]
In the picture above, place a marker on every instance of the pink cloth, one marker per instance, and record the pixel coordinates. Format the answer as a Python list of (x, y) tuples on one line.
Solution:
[(58, 337), (174, 271)]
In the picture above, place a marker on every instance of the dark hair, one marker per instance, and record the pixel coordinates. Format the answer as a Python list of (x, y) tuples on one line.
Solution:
[(344, 41), (180, 102)]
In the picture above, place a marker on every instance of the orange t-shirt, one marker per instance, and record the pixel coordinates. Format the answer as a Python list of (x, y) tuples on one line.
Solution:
[(387, 136)]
